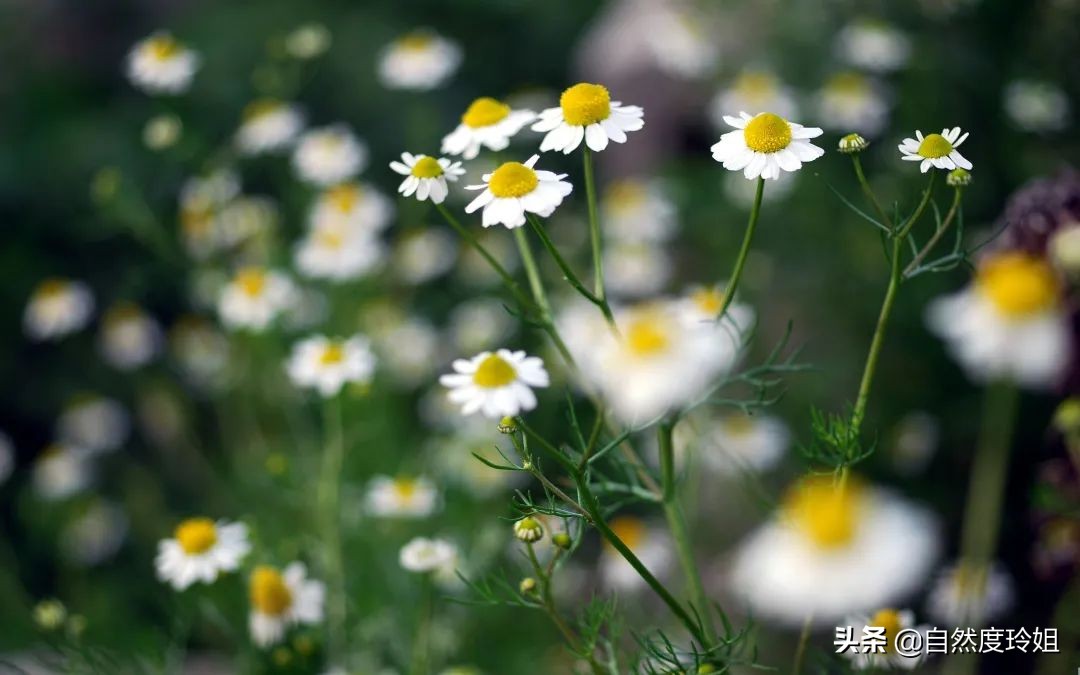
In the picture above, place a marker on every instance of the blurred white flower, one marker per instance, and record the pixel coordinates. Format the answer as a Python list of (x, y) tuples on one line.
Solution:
[(478, 324), (269, 125), (765, 144), (1037, 106), (352, 207), (488, 123), (514, 189), (281, 599), (497, 384), (636, 210), (702, 304), (56, 308), (418, 61), (329, 155), (586, 112), (7, 457), (426, 176), (852, 102), (254, 298), (635, 269), (162, 132), (308, 41), (338, 252), (735, 443), (873, 45), (423, 255), (753, 90), (893, 621), (130, 338), (328, 365), (62, 471), (411, 349), (651, 546), (1010, 322), (935, 150), (94, 423), (200, 550), (160, 64), (401, 497), (680, 40), (832, 550), (962, 596), (200, 349), (428, 555), (95, 535)]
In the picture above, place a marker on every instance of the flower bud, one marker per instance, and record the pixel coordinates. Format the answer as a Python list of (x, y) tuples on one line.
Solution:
[(527, 585), (1067, 416), (562, 540), (853, 143), (507, 425), (958, 178), (529, 529), (50, 614)]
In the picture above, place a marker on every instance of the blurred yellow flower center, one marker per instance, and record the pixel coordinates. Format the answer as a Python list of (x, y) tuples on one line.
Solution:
[(848, 84), (494, 372), (196, 535), (739, 424), (330, 238), (163, 47), (630, 530), (646, 336), (252, 281), (52, 288), (824, 512), (708, 300), (513, 179), (1019, 285), (121, 313), (416, 42), (485, 111), (584, 104), (889, 619), (332, 354), (758, 87), (263, 106), (427, 167), (344, 197), (626, 194), (405, 488), (767, 133), (268, 591), (934, 146)]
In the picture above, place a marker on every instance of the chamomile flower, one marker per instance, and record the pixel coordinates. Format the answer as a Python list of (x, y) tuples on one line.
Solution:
[(635, 210), (338, 252), (56, 308), (935, 150), (62, 471), (702, 304), (834, 549), (199, 550), (893, 621), (514, 189), (488, 123), (418, 61), (753, 90), (1036, 106), (426, 177), (965, 596), (851, 102), (873, 45), (587, 112), (329, 155), (422, 555), (94, 423), (1009, 323), (351, 207), (681, 41), (736, 443), (269, 125), (160, 64), (765, 144), (401, 497), (497, 384), (648, 543), (281, 599), (254, 298), (130, 338), (635, 269), (327, 365)]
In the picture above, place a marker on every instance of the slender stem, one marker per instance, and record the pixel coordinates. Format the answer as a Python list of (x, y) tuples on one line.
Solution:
[(422, 638), (906, 226), (469, 238), (865, 185), (921, 255), (532, 271), (676, 520), (547, 602), (329, 500), (740, 261), (800, 650), (594, 228)]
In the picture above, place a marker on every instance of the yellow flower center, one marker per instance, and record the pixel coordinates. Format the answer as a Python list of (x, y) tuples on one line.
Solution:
[(848, 84), (485, 111), (331, 238), (121, 313), (767, 133), (1019, 285), (934, 146), (755, 87), (629, 529), (268, 592), (738, 424), (196, 535), (405, 488), (647, 336), (332, 354), (823, 511), (252, 281), (163, 47), (709, 300), (427, 167), (889, 619), (344, 197), (494, 372), (513, 179), (263, 106), (52, 288), (416, 42), (626, 194), (584, 104)]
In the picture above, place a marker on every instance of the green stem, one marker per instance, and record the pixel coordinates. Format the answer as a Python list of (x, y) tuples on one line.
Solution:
[(921, 255), (740, 261), (532, 271), (329, 500), (594, 228), (800, 650), (422, 638), (870, 197), (906, 227), (469, 238)]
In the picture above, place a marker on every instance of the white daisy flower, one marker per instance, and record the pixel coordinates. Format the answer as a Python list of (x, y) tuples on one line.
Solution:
[(254, 298), (329, 155), (498, 384), (161, 65), (736, 443), (831, 551), (681, 41), (1010, 322), (426, 177), (1037, 106), (893, 621), (935, 150), (200, 550), (651, 546), (269, 125), (56, 308), (62, 471), (765, 144), (587, 112), (401, 497), (281, 599), (702, 304), (963, 596), (873, 45), (488, 123), (95, 535), (412, 349), (753, 90), (423, 555), (514, 189), (424, 254), (7, 457), (419, 61), (129, 338), (351, 207), (327, 365), (337, 253), (635, 210), (94, 423), (851, 102), (635, 269), (200, 349)]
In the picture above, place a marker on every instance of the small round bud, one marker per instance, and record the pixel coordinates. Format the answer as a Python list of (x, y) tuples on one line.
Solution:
[(958, 178), (562, 540), (705, 669), (527, 585), (1067, 416), (50, 614), (304, 645), (853, 143), (507, 425), (527, 465), (281, 656), (529, 529), (1064, 249), (162, 132)]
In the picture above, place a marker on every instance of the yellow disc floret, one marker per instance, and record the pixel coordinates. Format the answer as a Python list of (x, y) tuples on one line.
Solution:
[(52, 288), (934, 146), (344, 197), (767, 133), (268, 592), (485, 111), (848, 84), (196, 535), (332, 354), (629, 529), (252, 281), (647, 335), (889, 619), (163, 47), (263, 106), (584, 104), (494, 372), (824, 511), (1018, 284), (405, 488), (513, 179), (709, 300), (426, 167)]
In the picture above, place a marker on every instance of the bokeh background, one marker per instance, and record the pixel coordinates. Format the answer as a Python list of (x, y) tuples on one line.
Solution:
[(79, 188)]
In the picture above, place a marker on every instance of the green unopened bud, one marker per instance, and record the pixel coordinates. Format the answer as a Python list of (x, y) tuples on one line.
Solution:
[(50, 614), (282, 656), (529, 529), (527, 585), (707, 668), (562, 540), (853, 143), (958, 178), (527, 465), (1067, 416), (106, 184), (507, 425)]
